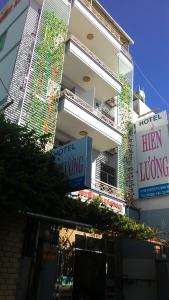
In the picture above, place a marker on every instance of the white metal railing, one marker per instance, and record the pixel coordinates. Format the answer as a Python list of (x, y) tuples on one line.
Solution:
[(107, 188), (93, 56), (89, 108), (109, 26)]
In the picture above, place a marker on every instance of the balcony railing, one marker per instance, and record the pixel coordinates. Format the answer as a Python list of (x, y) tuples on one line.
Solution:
[(93, 56), (109, 26), (89, 108), (107, 188)]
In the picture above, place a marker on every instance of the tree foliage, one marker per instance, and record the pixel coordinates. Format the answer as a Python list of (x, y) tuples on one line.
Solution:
[(30, 180), (97, 214)]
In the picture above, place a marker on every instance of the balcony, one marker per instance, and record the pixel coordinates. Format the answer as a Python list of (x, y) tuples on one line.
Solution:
[(102, 19), (93, 56), (109, 195), (108, 24), (108, 189), (76, 116), (80, 62)]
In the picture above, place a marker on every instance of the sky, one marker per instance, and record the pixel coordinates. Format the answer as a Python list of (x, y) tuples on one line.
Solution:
[(147, 23)]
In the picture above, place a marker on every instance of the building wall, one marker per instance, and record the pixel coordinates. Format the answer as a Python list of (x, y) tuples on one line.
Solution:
[(11, 239), (40, 105), (157, 218), (13, 26), (22, 63)]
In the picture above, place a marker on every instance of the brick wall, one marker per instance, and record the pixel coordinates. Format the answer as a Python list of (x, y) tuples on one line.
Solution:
[(11, 240)]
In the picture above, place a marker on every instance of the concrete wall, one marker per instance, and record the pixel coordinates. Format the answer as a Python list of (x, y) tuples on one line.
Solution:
[(158, 218), (155, 212)]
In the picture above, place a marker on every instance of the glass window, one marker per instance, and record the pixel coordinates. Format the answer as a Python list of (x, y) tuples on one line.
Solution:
[(108, 174)]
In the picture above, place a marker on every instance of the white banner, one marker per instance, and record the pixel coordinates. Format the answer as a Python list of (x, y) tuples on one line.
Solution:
[(152, 121), (152, 139)]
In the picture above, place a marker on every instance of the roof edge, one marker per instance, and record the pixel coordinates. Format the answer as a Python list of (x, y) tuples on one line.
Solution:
[(131, 42)]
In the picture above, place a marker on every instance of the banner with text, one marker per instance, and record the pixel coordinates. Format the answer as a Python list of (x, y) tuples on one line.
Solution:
[(74, 159), (152, 140), (112, 203)]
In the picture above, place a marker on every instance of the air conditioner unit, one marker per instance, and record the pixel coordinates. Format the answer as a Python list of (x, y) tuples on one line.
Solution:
[(112, 102)]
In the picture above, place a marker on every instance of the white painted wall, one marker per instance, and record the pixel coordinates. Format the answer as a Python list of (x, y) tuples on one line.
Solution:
[(14, 25), (143, 108), (135, 117), (125, 65)]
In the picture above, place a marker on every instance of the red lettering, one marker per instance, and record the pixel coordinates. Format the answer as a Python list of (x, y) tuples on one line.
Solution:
[(151, 140), (154, 168)]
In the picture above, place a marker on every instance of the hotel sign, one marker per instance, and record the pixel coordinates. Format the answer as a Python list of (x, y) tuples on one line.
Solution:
[(74, 159), (156, 120), (109, 202), (152, 140)]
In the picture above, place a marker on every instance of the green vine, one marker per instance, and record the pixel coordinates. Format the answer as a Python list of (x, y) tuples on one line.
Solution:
[(47, 75), (125, 149), (104, 220)]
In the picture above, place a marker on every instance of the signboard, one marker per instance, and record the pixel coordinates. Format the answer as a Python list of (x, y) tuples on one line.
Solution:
[(112, 203), (156, 120), (152, 139), (75, 161)]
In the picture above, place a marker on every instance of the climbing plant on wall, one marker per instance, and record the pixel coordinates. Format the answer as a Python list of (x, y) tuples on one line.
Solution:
[(125, 150), (46, 75)]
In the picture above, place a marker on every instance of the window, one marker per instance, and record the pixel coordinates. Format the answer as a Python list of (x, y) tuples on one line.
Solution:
[(108, 174), (2, 40)]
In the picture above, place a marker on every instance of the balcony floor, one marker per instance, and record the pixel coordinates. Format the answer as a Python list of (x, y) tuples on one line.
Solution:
[(78, 64), (73, 119)]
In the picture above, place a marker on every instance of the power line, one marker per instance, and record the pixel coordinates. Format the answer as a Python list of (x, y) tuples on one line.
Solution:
[(151, 85)]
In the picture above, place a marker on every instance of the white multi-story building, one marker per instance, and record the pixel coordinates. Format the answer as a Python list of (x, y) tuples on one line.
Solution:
[(65, 69), (150, 168)]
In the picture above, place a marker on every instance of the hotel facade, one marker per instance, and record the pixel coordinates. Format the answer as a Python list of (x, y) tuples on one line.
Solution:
[(66, 70)]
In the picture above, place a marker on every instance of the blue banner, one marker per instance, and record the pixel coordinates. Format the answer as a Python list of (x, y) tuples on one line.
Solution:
[(76, 183), (156, 190)]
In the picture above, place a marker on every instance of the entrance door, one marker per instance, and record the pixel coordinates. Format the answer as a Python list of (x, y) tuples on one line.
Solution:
[(89, 275)]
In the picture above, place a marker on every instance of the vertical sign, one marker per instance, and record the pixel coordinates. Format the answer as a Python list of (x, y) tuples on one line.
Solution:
[(152, 138), (74, 159)]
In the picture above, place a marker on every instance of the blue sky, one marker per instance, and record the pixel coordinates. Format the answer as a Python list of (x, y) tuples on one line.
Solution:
[(147, 22)]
